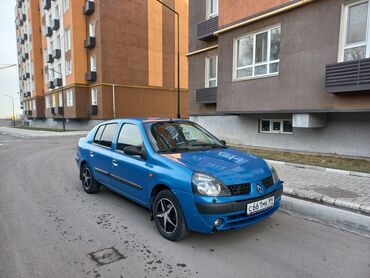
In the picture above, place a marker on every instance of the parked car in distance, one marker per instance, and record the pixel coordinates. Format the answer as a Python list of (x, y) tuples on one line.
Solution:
[(186, 177)]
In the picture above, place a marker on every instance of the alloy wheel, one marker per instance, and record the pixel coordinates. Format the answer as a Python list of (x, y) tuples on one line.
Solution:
[(86, 178), (166, 214)]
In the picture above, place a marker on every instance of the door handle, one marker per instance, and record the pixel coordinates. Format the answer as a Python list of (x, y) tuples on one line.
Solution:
[(91, 154), (114, 162)]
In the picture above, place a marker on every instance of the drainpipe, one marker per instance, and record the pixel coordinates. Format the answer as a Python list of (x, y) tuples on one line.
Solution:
[(114, 100)]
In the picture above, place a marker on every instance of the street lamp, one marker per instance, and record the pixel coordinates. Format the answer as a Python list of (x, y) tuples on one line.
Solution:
[(13, 118), (64, 121), (178, 56)]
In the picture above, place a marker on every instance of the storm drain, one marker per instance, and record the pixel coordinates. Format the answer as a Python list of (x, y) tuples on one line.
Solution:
[(106, 256)]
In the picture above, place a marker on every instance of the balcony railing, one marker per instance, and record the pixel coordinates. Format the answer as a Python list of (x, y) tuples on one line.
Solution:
[(55, 24), (89, 7), (90, 42), (57, 53), (90, 76), (47, 31), (206, 95), (46, 4), (206, 28), (352, 76)]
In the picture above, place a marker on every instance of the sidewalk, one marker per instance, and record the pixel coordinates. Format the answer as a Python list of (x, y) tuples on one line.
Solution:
[(25, 133), (333, 188)]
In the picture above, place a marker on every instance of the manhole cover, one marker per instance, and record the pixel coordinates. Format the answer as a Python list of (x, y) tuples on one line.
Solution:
[(106, 256), (336, 192)]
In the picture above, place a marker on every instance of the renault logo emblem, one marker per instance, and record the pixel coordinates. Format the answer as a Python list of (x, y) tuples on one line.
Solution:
[(259, 189)]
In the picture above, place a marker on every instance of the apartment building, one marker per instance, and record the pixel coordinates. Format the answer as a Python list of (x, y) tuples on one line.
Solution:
[(104, 59), (282, 74)]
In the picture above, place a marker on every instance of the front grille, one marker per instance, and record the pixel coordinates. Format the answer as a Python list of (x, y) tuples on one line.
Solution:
[(268, 182), (240, 189)]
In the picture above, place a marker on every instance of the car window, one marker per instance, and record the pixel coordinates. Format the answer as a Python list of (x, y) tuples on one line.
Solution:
[(107, 136), (98, 134), (129, 136)]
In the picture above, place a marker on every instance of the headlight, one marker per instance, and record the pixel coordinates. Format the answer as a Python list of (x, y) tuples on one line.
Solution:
[(275, 176), (209, 186)]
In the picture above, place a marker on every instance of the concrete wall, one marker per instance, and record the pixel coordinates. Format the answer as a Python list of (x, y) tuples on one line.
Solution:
[(70, 124), (344, 134)]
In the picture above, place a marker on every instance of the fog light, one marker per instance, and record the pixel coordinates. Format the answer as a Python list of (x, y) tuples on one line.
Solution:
[(218, 222)]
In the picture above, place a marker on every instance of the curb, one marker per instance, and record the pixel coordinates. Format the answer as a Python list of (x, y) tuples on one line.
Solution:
[(317, 197), (323, 169), (338, 218)]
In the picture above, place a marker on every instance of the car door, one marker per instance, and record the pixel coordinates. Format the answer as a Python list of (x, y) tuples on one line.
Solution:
[(101, 153), (130, 172)]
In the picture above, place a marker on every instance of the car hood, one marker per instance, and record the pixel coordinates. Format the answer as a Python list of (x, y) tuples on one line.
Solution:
[(228, 165)]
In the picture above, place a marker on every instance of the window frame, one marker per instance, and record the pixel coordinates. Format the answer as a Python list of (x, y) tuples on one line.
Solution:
[(344, 30), (207, 68), (268, 62), (94, 100), (209, 13), (70, 98), (67, 39), (118, 135), (68, 65), (272, 131)]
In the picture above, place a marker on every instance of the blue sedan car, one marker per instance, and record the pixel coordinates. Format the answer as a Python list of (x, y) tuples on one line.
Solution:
[(189, 180)]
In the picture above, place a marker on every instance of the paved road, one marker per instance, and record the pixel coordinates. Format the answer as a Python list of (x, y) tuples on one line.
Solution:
[(50, 228)]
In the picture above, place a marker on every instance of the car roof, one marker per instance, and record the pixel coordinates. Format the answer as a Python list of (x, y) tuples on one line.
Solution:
[(146, 120)]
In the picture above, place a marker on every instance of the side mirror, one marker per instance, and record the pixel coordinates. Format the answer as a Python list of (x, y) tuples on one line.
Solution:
[(223, 142), (133, 150)]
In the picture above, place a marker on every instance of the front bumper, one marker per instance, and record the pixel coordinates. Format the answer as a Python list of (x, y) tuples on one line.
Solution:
[(201, 212)]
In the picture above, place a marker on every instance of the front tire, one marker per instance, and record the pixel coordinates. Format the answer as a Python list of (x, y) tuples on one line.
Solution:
[(168, 216), (89, 184)]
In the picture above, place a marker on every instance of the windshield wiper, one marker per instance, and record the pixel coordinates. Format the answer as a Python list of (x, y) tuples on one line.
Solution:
[(174, 150), (212, 146)]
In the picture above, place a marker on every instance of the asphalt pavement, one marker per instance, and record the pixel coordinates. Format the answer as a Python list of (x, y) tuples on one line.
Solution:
[(50, 228)]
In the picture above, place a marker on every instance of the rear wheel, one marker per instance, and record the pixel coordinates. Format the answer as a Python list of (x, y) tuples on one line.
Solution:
[(168, 216), (89, 184)]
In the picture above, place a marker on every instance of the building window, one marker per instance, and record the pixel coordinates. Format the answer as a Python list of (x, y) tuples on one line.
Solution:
[(276, 126), (56, 12), (94, 96), (60, 99), (54, 101), (68, 67), (65, 5), (47, 101), (33, 104), (57, 42), (92, 28), (211, 71), (257, 54), (93, 63), (354, 38), (69, 98), (67, 39), (212, 8)]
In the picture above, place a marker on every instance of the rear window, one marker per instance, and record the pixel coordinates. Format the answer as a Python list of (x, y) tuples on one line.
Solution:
[(104, 135)]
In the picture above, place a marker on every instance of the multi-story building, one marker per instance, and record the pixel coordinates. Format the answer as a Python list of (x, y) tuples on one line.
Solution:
[(104, 59), (282, 74)]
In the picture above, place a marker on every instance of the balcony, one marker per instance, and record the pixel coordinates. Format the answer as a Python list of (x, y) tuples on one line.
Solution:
[(46, 4), (206, 28), (57, 53), (55, 24), (58, 82), (22, 41), (25, 37), (206, 95), (90, 76), (49, 59), (51, 85), (27, 75), (25, 57), (47, 31), (93, 109), (90, 42), (60, 110), (23, 17), (352, 76), (89, 8)]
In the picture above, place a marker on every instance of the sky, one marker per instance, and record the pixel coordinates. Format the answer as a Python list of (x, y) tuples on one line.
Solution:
[(8, 55)]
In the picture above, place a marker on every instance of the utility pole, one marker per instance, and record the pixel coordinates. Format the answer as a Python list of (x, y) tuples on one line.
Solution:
[(178, 56)]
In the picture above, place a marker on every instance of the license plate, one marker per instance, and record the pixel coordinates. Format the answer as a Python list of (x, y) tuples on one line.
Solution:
[(260, 205)]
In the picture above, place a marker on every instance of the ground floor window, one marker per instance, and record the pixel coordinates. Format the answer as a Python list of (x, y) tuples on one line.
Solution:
[(69, 98), (276, 126)]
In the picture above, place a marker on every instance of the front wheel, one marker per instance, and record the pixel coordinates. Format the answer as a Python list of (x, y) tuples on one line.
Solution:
[(89, 184), (168, 216)]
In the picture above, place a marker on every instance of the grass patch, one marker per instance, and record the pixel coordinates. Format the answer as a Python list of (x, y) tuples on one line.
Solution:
[(327, 161), (43, 129)]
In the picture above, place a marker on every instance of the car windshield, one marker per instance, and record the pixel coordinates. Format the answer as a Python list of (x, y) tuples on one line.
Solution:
[(175, 136)]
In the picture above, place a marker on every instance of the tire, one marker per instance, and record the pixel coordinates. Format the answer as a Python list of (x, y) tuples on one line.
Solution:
[(89, 184), (168, 216)]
